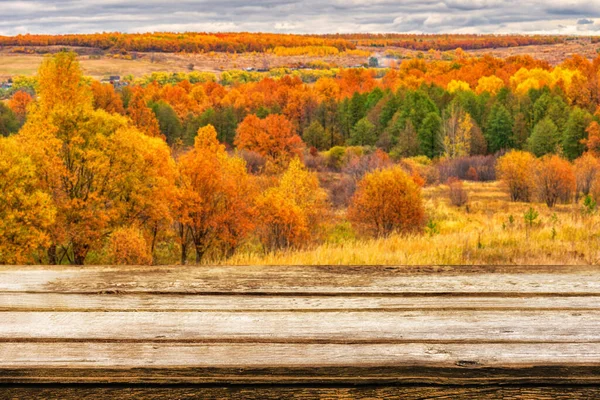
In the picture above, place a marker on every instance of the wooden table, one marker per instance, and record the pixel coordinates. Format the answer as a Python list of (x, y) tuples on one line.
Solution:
[(299, 332)]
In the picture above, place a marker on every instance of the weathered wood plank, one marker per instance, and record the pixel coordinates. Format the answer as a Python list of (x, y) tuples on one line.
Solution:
[(340, 326), (274, 355), (302, 393), (303, 280), (302, 326), (135, 302)]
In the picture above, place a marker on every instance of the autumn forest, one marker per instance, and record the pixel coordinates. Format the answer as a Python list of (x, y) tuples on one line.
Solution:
[(439, 156)]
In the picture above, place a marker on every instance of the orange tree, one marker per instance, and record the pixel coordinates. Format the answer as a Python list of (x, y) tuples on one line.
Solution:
[(18, 103), (586, 169), (106, 98), (273, 137), (216, 196), (555, 180), (387, 201)]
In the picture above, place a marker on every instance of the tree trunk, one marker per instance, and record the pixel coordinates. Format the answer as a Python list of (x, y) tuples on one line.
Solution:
[(183, 240), (199, 255), (79, 253), (183, 253), (52, 259)]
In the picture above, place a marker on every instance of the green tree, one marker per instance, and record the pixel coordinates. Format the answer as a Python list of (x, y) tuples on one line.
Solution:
[(431, 141), (169, 123), (363, 134), (315, 136), (574, 133), (416, 106), (408, 142), (499, 132), (9, 123), (544, 139)]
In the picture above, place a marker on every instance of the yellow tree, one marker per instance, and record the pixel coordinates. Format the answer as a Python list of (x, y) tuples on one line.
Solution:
[(457, 132), (93, 164), (516, 170), (26, 212), (491, 84), (216, 194), (290, 212)]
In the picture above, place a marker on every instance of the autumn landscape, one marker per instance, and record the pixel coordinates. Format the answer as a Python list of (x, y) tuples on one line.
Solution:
[(249, 148)]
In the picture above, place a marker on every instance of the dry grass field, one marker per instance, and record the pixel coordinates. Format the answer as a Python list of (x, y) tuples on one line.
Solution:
[(488, 230), (12, 64)]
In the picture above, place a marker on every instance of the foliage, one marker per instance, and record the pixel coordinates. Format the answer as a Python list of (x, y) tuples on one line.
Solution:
[(515, 171), (18, 103), (26, 212), (544, 139), (273, 137), (215, 206), (457, 193), (555, 180), (292, 210), (363, 134), (128, 247), (106, 98), (387, 201), (99, 171), (586, 169)]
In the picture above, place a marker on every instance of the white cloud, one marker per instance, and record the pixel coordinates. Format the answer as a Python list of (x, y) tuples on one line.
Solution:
[(302, 16)]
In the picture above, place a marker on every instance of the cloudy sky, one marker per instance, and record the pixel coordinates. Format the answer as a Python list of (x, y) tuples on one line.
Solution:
[(295, 16)]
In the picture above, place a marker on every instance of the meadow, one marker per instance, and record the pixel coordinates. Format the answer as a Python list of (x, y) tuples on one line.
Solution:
[(489, 230)]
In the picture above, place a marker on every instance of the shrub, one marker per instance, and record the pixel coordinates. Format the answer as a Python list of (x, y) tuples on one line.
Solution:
[(255, 163), (315, 161), (341, 191), (462, 168), (422, 170), (555, 180), (128, 247), (387, 201), (586, 169), (458, 195), (515, 170), (335, 157), (357, 166)]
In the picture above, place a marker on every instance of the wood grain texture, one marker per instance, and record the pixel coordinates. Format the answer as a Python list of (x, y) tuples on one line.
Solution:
[(300, 280), (136, 302), (300, 332), (302, 393), (320, 327)]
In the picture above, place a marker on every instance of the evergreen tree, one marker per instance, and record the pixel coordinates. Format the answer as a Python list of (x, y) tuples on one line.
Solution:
[(169, 123), (363, 134), (388, 110), (544, 139), (408, 142), (430, 136), (574, 133), (315, 136), (416, 106), (499, 133)]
